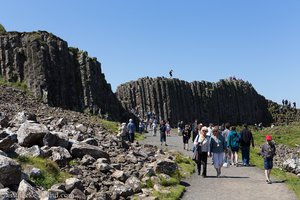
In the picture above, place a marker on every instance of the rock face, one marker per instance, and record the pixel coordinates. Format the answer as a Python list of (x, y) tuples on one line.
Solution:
[(231, 100), (60, 76)]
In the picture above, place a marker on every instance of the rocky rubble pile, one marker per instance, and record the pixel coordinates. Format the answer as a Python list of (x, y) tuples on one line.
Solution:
[(288, 158), (105, 167)]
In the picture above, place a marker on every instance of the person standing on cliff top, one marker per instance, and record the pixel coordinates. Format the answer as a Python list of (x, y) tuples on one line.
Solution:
[(171, 73)]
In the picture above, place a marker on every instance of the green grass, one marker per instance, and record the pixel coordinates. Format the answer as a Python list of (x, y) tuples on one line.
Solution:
[(174, 193), (186, 169), (2, 29), (169, 182), (51, 173), (73, 163), (288, 135), (139, 137), (186, 165), (19, 85), (110, 125)]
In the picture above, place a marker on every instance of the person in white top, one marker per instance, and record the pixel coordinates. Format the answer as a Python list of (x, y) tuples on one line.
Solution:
[(203, 148)]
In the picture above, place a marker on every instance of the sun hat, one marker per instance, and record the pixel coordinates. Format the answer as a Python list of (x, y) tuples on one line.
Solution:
[(268, 138)]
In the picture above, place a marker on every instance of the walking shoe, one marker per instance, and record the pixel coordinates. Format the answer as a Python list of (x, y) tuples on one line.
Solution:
[(269, 181), (166, 145)]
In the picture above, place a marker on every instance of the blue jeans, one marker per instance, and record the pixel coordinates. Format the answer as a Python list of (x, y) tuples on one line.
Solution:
[(131, 137), (246, 155)]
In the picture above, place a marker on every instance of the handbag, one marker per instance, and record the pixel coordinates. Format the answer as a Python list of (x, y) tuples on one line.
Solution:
[(195, 156), (197, 151)]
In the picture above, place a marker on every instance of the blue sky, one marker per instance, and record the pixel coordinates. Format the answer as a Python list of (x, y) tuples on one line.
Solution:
[(256, 40)]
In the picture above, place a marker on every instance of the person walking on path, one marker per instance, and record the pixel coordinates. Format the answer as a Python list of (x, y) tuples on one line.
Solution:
[(245, 141), (234, 144), (268, 151), (162, 129), (131, 130), (217, 148), (168, 128), (227, 153), (203, 148), (186, 135), (180, 128), (154, 127), (196, 130)]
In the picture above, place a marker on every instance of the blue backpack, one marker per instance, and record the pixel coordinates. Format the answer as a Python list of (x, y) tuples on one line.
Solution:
[(235, 140)]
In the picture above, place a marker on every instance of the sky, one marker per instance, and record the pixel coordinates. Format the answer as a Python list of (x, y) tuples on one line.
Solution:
[(255, 40)]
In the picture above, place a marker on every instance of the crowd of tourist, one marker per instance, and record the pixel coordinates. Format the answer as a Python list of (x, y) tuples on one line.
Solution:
[(221, 143)]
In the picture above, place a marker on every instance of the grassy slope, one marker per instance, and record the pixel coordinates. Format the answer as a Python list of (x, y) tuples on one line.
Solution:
[(288, 135), (51, 173)]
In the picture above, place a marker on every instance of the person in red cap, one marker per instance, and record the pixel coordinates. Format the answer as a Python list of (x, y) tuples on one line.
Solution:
[(268, 151)]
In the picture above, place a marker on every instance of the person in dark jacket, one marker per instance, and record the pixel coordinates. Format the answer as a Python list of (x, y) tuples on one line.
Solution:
[(162, 129), (246, 139), (268, 151), (186, 135)]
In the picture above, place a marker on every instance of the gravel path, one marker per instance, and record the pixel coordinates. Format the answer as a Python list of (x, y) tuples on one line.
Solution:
[(236, 183)]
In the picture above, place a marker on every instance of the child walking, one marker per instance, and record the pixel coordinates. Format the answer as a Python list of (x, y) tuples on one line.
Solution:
[(268, 151)]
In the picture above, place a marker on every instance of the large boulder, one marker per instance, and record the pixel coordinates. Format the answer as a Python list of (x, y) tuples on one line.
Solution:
[(73, 183), (3, 120), (121, 190), (4, 134), (78, 195), (81, 149), (21, 118), (135, 184), (7, 142), (56, 139), (119, 175), (27, 192), (6, 194), (60, 155), (10, 171), (292, 165), (35, 151), (166, 166), (30, 134)]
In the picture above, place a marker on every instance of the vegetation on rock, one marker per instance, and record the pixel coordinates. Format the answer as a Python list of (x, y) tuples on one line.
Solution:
[(50, 172), (2, 29), (17, 84)]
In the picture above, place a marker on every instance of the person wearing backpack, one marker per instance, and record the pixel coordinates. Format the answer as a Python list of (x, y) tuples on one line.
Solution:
[(245, 141), (234, 145)]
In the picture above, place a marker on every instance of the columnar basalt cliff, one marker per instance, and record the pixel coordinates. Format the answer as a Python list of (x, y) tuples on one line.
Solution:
[(58, 75), (229, 100)]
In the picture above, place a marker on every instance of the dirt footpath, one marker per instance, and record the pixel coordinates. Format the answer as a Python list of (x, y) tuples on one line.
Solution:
[(235, 183)]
